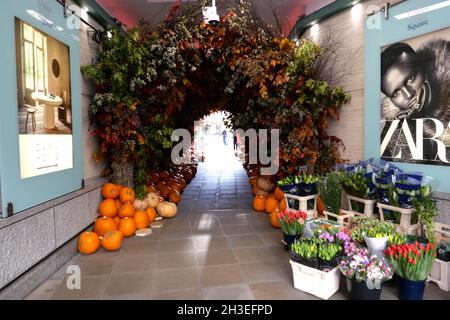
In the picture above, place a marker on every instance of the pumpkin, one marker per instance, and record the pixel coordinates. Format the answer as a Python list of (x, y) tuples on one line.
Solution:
[(142, 219), (112, 241), (320, 206), (167, 209), (88, 242), (279, 194), (152, 200), (151, 212), (161, 186), (258, 203), (176, 187), (164, 175), (108, 208), (127, 195), (255, 189), (283, 204), (116, 220), (127, 226), (165, 192), (140, 204), (154, 177), (118, 204), (271, 204), (261, 192), (103, 225), (253, 181), (265, 184), (110, 191), (127, 210), (274, 220), (174, 196)]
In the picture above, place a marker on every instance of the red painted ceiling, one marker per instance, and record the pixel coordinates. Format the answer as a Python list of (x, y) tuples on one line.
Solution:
[(129, 12)]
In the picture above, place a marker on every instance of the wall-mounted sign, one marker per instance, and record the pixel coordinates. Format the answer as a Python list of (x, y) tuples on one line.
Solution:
[(415, 99), (44, 103)]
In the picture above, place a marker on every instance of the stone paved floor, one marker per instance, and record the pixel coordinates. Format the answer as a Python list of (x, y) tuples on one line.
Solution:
[(215, 248)]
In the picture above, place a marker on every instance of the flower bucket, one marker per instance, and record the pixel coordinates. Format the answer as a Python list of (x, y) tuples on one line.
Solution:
[(313, 263), (326, 265), (410, 290), (288, 239), (290, 189), (362, 291), (307, 189), (376, 246)]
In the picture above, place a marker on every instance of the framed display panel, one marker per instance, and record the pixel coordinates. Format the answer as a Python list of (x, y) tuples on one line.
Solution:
[(40, 113), (407, 88)]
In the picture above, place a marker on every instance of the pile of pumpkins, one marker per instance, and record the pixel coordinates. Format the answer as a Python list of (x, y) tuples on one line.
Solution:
[(268, 197), (169, 184)]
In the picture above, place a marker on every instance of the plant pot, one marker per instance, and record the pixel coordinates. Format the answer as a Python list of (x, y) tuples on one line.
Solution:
[(290, 189), (361, 291), (376, 246), (288, 239), (307, 189), (328, 264), (312, 262), (410, 290)]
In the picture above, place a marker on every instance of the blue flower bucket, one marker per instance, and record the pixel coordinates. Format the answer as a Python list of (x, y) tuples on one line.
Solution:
[(410, 290)]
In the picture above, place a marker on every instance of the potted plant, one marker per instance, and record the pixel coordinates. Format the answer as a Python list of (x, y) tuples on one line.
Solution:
[(330, 191), (426, 211), (292, 224), (308, 185), (305, 252), (365, 273), (329, 252), (377, 237), (412, 264)]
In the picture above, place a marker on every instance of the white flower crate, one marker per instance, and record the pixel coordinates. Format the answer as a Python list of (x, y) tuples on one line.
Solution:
[(405, 227), (316, 282), (369, 204), (440, 274), (303, 204)]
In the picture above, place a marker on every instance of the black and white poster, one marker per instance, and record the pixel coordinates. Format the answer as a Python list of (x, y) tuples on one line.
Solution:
[(415, 100)]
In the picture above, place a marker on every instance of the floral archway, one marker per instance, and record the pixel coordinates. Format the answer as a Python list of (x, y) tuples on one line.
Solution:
[(151, 81)]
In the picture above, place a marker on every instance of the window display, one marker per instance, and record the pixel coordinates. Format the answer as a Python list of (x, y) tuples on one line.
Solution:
[(44, 102)]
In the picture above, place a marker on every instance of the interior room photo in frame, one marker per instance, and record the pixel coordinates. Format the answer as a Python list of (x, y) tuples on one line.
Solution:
[(44, 102), (415, 99)]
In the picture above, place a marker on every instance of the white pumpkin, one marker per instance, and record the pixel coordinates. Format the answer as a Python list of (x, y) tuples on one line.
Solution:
[(140, 205), (167, 209), (152, 200)]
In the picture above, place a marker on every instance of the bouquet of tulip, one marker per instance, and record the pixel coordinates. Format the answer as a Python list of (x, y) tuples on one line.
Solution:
[(358, 265), (412, 261), (305, 252), (292, 222)]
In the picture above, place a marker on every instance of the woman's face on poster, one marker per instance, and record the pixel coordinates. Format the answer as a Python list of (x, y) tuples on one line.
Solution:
[(403, 83)]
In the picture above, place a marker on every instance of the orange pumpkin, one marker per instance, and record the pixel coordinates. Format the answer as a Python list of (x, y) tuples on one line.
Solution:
[(112, 241), (274, 220), (116, 220), (127, 210), (253, 180), (279, 194), (258, 203), (320, 206), (108, 208), (127, 195), (271, 204), (142, 219), (151, 212), (118, 204), (174, 196), (103, 225), (283, 205), (88, 242), (110, 191), (127, 227)]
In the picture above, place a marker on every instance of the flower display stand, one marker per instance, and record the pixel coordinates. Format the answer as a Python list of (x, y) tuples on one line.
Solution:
[(345, 217), (314, 281), (369, 204), (303, 204), (440, 274), (405, 227)]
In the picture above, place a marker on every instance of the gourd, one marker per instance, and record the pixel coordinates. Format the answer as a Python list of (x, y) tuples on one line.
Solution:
[(167, 209)]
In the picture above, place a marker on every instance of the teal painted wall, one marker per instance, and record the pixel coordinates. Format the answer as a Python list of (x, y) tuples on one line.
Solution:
[(26, 193), (378, 33)]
